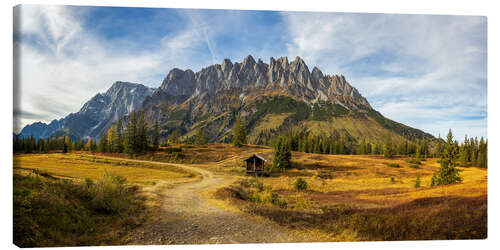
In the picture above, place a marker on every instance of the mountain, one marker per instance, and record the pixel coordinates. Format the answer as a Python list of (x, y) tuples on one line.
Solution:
[(96, 115), (272, 98)]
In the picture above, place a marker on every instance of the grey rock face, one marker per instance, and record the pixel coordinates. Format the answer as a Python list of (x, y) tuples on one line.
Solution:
[(96, 115), (291, 77)]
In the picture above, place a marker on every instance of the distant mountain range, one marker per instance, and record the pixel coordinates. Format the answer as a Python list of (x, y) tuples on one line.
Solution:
[(271, 97), (96, 115)]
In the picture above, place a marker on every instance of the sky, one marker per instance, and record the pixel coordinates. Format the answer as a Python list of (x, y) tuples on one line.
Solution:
[(425, 71)]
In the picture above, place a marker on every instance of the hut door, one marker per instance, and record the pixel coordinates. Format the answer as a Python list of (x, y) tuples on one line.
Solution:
[(254, 163)]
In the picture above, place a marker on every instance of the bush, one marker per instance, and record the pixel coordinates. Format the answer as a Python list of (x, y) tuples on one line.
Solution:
[(300, 184), (172, 150), (302, 203), (417, 182), (414, 166), (108, 194), (415, 162), (393, 165), (393, 180)]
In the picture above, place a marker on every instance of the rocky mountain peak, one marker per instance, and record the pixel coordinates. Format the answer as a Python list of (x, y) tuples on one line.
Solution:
[(291, 77)]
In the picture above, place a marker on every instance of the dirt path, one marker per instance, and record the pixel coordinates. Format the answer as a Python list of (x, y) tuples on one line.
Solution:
[(189, 217)]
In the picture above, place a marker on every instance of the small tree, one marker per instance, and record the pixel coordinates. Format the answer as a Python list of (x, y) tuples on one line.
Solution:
[(388, 151), (447, 173), (119, 137), (103, 144), (282, 154), (156, 135), (239, 132), (200, 138), (174, 138), (110, 139), (300, 184)]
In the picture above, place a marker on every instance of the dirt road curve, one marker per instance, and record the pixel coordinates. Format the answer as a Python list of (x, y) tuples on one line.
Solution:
[(189, 218)]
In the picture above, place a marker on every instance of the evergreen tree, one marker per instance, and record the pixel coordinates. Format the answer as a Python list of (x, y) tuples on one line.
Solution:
[(80, 144), (156, 135), (388, 151), (142, 137), (118, 140), (282, 154), (362, 147), (130, 140), (103, 144), (447, 173), (239, 132), (340, 147), (200, 138), (174, 138)]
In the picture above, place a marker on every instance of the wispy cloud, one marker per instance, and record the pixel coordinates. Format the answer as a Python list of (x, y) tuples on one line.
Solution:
[(421, 70), (425, 71), (62, 64)]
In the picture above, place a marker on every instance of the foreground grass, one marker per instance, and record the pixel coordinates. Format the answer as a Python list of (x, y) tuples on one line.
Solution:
[(58, 212), (80, 199), (82, 166), (361, 197)]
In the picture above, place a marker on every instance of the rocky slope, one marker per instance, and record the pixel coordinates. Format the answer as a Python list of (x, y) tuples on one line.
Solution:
[(96, 115), (272, 97)]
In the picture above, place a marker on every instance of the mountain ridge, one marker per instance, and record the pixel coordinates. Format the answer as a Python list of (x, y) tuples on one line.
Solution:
[(272, 98), (96, 115)]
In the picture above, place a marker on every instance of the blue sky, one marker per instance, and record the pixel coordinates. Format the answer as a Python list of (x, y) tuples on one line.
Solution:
[(426, 71)]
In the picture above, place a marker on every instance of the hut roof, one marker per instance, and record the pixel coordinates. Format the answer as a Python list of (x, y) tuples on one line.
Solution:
[(255, 155)]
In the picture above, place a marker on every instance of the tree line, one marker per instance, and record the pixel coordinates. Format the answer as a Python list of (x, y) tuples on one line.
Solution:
[(133, 138)]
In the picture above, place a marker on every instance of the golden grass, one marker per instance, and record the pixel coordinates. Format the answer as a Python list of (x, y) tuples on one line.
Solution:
[(80, 167)]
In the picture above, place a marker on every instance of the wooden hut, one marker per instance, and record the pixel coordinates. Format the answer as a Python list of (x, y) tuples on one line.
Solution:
[(255, 165)]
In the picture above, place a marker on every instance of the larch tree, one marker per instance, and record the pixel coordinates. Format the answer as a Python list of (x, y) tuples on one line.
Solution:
[(111, 139)]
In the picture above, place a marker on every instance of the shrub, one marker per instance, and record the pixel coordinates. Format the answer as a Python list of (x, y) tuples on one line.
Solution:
[(300, 184), (108, 194), (414, 166), (393, 180), (415, 162), (417, 182), (172, 150), (393, 165), (302, 203)]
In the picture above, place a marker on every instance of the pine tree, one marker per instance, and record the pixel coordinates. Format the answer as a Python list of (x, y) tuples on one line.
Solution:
[(142, 137), (340, 147), (282, 154), (103, 144), (362, 147), (118, 140), (79, 145), (200, 138), (447, 173), (239, 132), (174, 138), (156, 135), (388, 151), (130, 141)]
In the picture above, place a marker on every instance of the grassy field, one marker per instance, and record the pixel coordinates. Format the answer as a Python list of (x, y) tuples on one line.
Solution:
[(80, 199), (352, 197), (347, 197), (82, 166)]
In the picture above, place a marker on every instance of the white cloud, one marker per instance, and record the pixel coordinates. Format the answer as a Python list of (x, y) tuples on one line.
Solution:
[(62, 65), (415, 69)]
